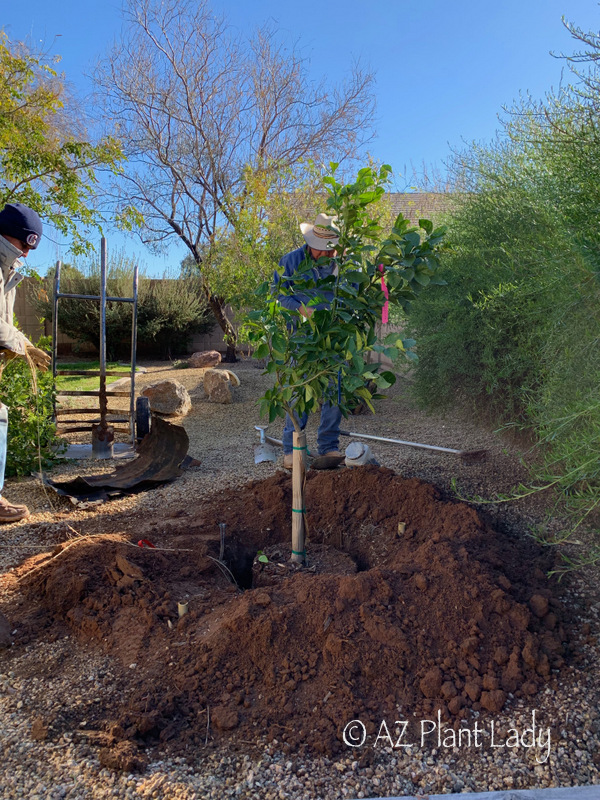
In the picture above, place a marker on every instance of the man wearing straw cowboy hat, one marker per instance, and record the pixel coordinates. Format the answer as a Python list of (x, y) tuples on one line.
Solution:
[(321, 240), (20, 232)]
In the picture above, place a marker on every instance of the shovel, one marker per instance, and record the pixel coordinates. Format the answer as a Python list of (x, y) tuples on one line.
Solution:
[(264, 450), (466, 456)]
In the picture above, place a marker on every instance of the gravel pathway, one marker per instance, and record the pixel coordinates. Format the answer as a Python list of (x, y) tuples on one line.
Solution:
[(65, 681)]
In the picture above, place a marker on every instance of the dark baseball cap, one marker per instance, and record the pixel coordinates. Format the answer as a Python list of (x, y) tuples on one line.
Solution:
[(21, 222)]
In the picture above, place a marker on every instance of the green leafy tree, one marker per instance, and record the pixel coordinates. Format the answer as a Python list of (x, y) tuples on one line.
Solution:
[(306, 355), (267, 226), (45, 161), (321, 358)]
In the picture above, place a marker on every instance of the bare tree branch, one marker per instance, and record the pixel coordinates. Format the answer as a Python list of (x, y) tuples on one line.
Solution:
[(196, 107)]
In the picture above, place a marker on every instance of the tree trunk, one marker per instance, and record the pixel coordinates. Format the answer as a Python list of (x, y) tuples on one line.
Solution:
[(230, 354), (229, 334)]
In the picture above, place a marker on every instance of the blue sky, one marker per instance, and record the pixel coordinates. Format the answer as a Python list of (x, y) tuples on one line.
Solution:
[(444, 69)]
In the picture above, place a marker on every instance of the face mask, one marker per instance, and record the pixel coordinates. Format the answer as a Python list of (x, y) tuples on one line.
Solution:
[(8, 255)]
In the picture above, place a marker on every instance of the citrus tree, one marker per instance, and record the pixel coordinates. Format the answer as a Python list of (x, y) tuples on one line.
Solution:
[(321, 358)]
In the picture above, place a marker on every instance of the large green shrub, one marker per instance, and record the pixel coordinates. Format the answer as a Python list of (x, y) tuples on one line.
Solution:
[(518, 326), (31, 432), (169, 311)]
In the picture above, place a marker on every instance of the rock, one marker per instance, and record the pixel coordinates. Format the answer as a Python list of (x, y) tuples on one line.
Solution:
[(511, 676), (490, 682), (207, 358), (473, 690), (217, 386), (225, 718), (5, 639), (494, 700), (123, 756), (431, 684), (469, 646), (455, 704), (529, 688), (127, 568), (420, 582), (539, 605), (39, 730), (233, 378), (168, 397), (448, 690)]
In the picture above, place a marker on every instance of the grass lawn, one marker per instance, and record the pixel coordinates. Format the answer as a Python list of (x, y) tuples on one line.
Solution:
[(80, 382)]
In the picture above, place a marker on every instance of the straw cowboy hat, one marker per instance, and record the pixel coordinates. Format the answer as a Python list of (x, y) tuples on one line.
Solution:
[(320, 236)]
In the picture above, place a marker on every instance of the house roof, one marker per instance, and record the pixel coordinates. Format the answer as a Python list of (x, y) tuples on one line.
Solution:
[(421, 205)]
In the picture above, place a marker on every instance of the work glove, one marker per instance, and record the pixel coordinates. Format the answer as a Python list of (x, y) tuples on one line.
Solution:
[(6, 355), (40, 358)]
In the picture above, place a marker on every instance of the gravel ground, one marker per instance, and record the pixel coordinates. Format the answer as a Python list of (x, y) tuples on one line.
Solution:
[(64, 680)]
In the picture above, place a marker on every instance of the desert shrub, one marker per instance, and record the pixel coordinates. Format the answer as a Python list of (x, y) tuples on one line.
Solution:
[(30, 410), (518, 326), (169, 311)]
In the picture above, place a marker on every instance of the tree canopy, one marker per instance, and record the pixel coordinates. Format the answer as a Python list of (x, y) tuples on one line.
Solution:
[(204, 114), (45, 160)]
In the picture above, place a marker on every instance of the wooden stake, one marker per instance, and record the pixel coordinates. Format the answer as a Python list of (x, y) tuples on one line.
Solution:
[(298, 474)]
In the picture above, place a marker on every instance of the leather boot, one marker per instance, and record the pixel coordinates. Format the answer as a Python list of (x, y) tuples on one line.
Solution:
[(11, 512)]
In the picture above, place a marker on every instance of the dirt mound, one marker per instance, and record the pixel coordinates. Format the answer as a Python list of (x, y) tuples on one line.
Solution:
[(410, 604)]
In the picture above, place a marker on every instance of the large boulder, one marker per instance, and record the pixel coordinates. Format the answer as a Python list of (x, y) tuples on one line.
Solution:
[(208, 358), (217, 385), (170, 398)]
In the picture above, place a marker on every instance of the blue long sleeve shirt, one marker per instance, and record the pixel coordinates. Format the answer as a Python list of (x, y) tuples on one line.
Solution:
[(291, 263)]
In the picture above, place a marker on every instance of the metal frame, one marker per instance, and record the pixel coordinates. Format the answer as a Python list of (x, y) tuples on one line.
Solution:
[(102, 393)]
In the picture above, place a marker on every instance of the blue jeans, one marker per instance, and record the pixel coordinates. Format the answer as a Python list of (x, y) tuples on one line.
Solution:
[(3, 442), (328, 435)]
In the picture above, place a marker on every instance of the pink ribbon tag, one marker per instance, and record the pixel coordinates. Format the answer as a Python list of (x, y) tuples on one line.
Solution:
[(386, 305)]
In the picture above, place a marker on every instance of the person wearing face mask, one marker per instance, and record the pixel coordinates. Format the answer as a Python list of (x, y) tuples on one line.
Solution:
[(20, 232)]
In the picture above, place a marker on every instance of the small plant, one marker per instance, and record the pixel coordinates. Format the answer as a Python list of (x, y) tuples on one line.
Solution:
[(31, 432), (262, 557)]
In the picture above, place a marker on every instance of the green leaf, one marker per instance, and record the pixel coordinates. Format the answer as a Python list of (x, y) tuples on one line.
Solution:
[(413, 239), (262, 351), (356, 276), (422, 278), (426, 224), (393, 280)]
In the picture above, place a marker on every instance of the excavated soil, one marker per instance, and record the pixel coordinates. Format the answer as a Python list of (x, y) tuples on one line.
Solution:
[(410, 603)]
